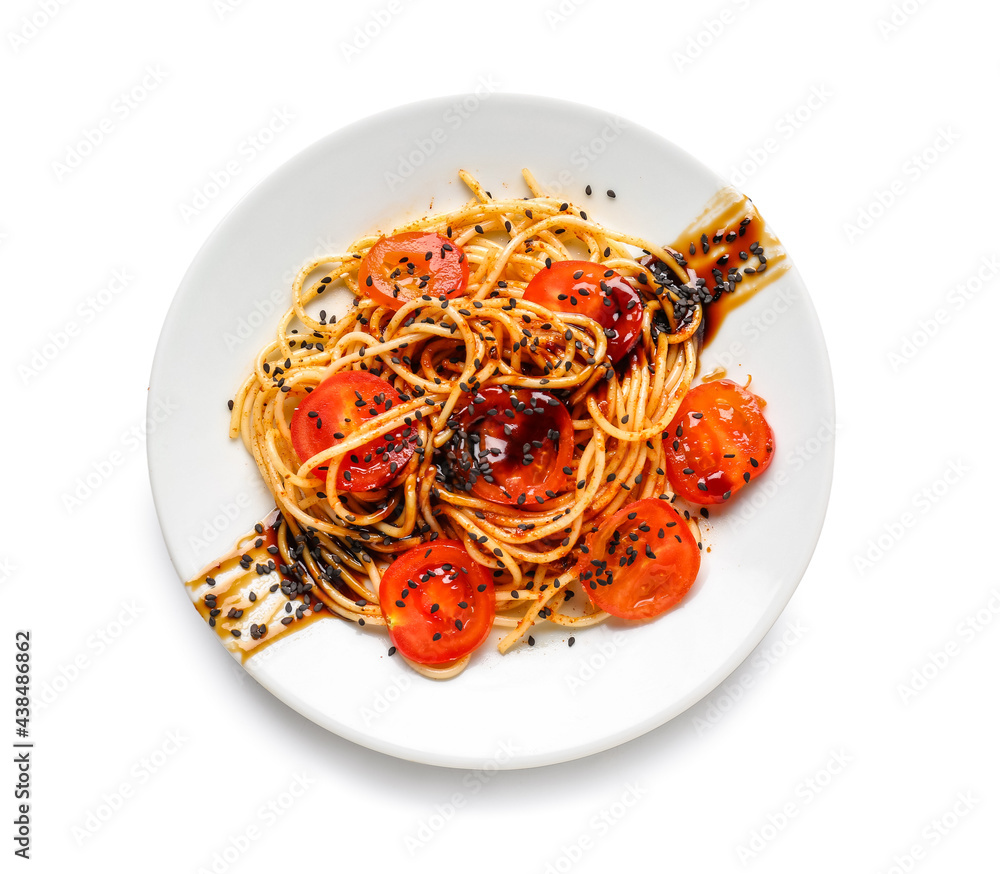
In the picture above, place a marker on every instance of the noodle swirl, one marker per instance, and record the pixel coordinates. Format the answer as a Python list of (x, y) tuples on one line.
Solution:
[(438, 353)]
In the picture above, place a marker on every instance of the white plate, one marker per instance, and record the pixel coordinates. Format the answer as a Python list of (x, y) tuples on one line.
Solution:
[(548, 703)]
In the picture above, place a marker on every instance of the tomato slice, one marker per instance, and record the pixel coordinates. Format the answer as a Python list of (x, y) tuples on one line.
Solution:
[(513, 446), (437, 602), (404, 266), (333, 411), (588, 289), (717, 443), (641, 561)]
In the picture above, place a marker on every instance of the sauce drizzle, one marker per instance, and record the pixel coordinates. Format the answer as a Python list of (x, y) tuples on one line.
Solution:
[(243, 595), (732, 249)]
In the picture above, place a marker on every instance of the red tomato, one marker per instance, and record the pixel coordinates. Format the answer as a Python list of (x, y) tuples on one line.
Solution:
[(333, 411), (718, 441), (519, 443), (437, 602), (399, 268), (587, 289), (641, 561)]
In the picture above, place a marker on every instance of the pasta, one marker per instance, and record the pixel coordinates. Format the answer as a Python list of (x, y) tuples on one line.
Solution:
[(489, 346)]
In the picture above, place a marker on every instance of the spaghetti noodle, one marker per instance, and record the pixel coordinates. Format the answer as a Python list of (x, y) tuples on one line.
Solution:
[(443, 354)]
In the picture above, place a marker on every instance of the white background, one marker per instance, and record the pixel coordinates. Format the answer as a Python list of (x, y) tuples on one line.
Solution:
[(860, 736)]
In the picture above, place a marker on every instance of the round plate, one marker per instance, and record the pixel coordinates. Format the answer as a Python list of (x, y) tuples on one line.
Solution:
[(550, 702)]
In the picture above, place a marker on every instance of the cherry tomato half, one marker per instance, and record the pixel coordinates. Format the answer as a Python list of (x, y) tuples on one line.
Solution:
[(437, 602), (519, 443), (588, 289), (333, 411), (641, 561), (718, 441), (399, 268)]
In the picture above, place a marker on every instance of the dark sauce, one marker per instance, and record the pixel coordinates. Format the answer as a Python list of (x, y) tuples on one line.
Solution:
[(732, 252), (234, 594)]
